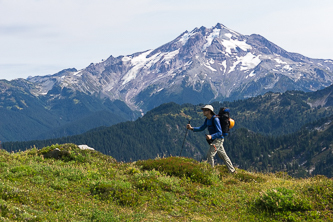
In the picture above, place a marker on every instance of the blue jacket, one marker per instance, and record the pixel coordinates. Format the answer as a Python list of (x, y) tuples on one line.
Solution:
[(214, 127)]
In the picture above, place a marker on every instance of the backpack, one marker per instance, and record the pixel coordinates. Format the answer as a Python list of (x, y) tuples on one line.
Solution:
[(225, 120)]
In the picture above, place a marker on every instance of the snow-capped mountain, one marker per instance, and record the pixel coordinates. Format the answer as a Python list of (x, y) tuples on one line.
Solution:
[(200, 66)]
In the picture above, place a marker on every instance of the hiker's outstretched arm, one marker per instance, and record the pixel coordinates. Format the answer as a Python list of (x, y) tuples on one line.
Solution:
[(201, 128)]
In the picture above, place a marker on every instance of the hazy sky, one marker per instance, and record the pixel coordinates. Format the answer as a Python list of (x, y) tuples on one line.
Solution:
[(41, 37)]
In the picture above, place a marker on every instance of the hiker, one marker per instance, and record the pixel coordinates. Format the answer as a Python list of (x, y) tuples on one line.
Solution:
[(215, 137)]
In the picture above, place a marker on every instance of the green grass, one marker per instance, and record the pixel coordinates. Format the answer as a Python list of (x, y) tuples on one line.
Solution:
[(84, 185)]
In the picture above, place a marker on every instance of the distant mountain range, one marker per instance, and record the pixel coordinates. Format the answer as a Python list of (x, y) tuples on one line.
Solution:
[(201, 66)]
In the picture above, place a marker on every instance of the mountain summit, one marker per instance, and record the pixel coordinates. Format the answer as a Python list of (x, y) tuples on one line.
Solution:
[(200, 66)]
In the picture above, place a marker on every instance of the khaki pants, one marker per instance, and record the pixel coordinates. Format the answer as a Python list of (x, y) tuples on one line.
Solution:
[(217, 147)]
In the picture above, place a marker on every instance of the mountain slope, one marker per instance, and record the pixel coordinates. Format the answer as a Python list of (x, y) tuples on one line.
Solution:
[(25, 116)]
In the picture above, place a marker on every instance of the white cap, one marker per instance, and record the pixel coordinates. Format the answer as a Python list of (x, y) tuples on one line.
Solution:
[(208, 107)]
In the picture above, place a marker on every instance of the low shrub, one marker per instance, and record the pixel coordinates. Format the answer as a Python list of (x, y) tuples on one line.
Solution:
[(108, 173), (180, 167), (21, 171), (223, 170), (283, 175), (146, 181), (246, 177), (166, 201), (66, 152), (37, 180), (281, 200), (321, 192), (12, 213), (98, 215), (42, 169), (3, 164), (153, 180), (32, 152), (12, 193), (59, 184), (231, 182), (119, 191), (102, 157), (132, 170), (72, 174), (168, 183)]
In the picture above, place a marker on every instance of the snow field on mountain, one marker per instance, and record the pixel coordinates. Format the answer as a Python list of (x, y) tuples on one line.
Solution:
[(170, 55), (234, 43), (211, 37), (186, 37), (207, 64), (251, 74), (141, 61), (249, 61), (280, 61), (211, 68)]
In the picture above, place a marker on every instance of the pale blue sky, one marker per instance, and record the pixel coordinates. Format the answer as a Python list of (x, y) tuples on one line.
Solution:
[(41, 37)]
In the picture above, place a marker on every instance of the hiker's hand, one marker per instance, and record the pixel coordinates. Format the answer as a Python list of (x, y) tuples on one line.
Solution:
[(208, 137), (188, 126)]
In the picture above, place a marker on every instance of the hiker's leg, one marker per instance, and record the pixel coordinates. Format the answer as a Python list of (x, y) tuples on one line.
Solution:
[(223, 155), (211, 154)]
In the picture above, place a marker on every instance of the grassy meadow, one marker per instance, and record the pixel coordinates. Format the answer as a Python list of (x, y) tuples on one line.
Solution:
[(85, 185)]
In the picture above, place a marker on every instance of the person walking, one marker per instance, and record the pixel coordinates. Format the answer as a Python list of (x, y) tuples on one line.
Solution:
[(215, 137)]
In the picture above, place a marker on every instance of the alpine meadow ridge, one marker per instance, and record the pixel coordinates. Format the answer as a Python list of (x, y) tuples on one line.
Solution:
[(85, 185)]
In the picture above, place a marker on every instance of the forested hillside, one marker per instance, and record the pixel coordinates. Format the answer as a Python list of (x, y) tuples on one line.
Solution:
[(306, 149)]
